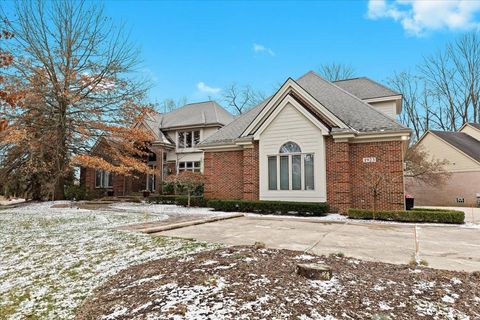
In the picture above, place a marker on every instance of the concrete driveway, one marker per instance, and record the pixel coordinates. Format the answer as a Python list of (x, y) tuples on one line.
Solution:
[(444, 247)]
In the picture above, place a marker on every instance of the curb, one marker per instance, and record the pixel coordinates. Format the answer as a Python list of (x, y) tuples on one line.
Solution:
[(189, 223)]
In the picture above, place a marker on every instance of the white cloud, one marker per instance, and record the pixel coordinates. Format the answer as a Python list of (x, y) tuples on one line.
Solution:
[(203, 87), (258, 48), (420, 16)]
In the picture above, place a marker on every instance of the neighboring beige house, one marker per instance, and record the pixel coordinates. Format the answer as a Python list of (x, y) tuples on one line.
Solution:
[(462, 150)]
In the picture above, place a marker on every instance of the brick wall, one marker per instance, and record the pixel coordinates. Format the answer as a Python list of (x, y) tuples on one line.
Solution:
[(235, 174), (387, 171), (223, 172), (251, 173), (87, 178), (339, 192)]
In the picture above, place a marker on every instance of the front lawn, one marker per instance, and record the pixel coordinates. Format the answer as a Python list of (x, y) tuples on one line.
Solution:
[(52, 258), (249, 283)]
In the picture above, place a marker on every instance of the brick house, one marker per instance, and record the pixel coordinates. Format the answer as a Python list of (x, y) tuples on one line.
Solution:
[(313, 141), (174, 149), (462, 151)]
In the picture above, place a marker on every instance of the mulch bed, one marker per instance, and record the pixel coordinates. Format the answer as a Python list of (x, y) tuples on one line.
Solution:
[(250, 283)]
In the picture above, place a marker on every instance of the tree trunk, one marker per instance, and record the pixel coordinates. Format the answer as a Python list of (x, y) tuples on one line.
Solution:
[(188, 199)]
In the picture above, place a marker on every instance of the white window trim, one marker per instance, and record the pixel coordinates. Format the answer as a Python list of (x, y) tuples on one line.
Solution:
[(149, 176), (192, 169), (102, 180), (290, 174), (200, 134)]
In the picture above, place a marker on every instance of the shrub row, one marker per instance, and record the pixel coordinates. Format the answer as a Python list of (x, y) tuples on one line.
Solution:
[(179, 200), (270, 207), (417, 215)]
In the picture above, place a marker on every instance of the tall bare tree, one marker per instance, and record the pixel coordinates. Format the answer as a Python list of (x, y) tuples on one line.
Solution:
[(78, 66), (337, 71), (168, 105), (444, 92), (452, 77), (241, 98), (416, 110)]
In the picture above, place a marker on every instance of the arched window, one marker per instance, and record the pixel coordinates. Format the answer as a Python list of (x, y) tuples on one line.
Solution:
[(291, 169), (290, 147)]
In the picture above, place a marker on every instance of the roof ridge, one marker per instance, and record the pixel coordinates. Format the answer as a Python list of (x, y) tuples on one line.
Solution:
[(236, 119), (382, 85), (215, 110), (349, 79), (358, 99)]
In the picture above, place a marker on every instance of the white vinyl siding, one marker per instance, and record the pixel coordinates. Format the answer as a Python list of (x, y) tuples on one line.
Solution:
[(291, 125), (387, 107), (472, 132), (439, 149)]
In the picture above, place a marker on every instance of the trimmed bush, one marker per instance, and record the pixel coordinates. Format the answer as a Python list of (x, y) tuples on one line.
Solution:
[(417, 215), (270, 207), (179, 200), (75, 192)]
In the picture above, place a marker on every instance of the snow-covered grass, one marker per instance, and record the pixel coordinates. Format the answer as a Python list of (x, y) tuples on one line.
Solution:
[(52, 258), (5, 202)]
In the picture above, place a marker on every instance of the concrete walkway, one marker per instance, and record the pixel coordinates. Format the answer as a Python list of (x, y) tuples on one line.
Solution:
[(444, 247)]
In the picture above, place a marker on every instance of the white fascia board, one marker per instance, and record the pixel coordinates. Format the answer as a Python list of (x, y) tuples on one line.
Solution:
[(296, 105), (276, 99)]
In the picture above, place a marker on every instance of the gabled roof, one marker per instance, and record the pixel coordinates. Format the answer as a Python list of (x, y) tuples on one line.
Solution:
[(365, 88), (357, 114), (151, 123), (193, 114), (232, 131), (475, 125), (462, 141)]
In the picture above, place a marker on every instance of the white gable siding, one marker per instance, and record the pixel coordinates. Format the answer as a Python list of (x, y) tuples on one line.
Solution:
[(471, 131), (387, 107), (291, 125), (439, 149)]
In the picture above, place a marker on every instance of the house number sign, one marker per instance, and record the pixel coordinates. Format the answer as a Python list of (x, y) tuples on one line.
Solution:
[(369, 159)]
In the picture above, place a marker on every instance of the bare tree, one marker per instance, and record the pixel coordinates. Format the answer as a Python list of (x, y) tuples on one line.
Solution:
[(452, 77), (337, 71), (421, 166), (168, 105), (444, 93), (241, 98), (416, 109), (77, 64)]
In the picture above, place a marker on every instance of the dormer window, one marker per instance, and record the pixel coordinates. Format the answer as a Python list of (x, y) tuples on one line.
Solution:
[(188, 139)]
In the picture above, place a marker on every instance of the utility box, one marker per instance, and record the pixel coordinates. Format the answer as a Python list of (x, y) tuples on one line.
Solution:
[(409, 202)]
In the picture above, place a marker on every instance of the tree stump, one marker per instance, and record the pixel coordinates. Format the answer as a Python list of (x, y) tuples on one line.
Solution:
[(314, 271)]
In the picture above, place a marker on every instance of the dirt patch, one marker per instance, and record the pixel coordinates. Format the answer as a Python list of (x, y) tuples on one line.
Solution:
[(249, 283)]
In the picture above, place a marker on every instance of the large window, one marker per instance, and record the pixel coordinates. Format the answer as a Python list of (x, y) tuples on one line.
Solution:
[(151, 180), (194, 166), (103, 179), (291, 169), (188, 139)]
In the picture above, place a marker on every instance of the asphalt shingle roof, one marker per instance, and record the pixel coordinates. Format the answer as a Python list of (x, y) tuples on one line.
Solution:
[(354, 112), (202, 113), (461, 141), (365, 88), (233, 130)]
